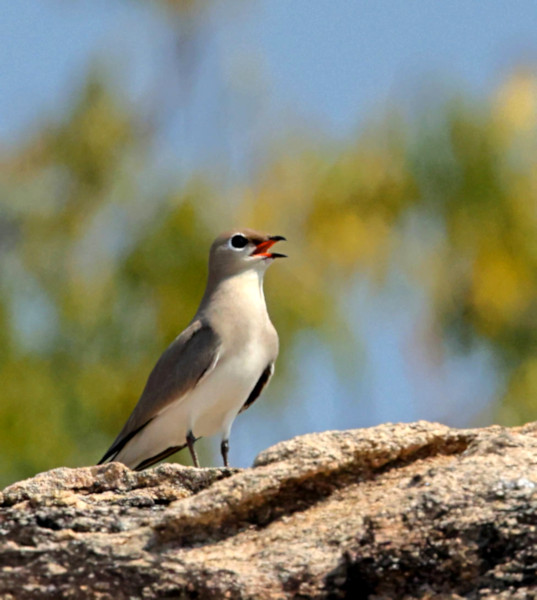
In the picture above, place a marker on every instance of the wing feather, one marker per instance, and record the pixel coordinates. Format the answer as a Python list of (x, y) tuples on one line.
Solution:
[(259, 386), (191, 356)]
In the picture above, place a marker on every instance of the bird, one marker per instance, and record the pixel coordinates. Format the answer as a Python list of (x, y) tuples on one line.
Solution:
[(216, 368)]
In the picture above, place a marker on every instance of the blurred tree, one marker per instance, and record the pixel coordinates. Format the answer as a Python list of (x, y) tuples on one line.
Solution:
[(450, 201), (101, 266), (99, 273), (478, 179)]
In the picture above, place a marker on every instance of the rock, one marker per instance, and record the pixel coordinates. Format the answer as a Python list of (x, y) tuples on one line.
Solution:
[(396, 511)]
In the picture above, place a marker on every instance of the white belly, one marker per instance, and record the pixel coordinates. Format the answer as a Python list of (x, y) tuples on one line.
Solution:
[(217, 400), (209, 408)]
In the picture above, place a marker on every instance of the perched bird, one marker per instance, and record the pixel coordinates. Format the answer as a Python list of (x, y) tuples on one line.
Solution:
[(216, 367)]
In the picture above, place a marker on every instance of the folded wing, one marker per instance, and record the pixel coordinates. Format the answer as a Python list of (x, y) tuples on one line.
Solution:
[(188, 359)]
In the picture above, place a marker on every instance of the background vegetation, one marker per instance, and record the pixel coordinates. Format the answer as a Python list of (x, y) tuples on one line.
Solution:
[(103, 256)]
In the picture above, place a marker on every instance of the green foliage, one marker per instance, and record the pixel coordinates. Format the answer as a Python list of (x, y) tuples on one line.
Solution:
[(466, 177), (482, 272), (99, 270)]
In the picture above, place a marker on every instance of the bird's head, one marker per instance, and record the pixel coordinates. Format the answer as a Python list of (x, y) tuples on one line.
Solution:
[(241, 250)]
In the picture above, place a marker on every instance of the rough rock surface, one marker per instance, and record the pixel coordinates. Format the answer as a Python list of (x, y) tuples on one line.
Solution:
[(396, 511)]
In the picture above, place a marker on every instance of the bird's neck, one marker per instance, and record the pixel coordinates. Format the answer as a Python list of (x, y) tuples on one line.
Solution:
[(241, 293)]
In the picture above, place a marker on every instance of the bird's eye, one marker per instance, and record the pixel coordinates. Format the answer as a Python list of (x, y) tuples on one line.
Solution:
[(238, 241)]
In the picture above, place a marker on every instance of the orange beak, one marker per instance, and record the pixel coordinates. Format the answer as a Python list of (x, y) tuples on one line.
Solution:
[(262, 249)]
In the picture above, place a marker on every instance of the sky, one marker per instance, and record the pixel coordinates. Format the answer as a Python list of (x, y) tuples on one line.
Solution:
[(265, 68), (330, 62)]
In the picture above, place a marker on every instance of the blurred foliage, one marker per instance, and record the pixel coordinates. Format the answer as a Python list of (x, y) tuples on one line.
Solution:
[(100, 270), (480, 185), (102, 264)]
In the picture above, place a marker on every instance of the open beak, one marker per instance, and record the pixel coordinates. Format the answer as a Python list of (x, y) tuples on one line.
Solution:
[(262, 249)]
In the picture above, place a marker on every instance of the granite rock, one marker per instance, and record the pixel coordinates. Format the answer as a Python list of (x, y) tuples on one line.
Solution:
[(395, 511)]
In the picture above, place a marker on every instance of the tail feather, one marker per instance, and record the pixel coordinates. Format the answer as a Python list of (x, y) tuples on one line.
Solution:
[(149, 462), (120, 443)]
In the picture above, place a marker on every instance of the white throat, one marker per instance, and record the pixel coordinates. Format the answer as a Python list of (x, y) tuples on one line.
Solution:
[(249, 284)]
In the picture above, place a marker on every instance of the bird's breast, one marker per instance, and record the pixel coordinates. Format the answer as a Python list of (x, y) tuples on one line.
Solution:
[(220, 395)]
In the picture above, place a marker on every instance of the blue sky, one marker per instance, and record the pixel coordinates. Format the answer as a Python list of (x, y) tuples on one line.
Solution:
[(266, 67), (332, 61), (340, 59)]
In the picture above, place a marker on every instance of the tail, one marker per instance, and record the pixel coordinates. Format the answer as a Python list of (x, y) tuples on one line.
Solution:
[(119, 443)]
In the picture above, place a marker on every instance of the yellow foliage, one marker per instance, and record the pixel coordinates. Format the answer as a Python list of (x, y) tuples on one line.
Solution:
[(345, 210), (515, 108), (501, 288), (343, 239), (520, 402)]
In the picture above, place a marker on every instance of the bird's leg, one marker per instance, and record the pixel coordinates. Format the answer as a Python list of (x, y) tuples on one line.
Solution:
[(224, 449), (190, 440)]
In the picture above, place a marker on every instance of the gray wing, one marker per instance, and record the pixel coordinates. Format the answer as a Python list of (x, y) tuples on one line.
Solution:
[(186, 360)]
